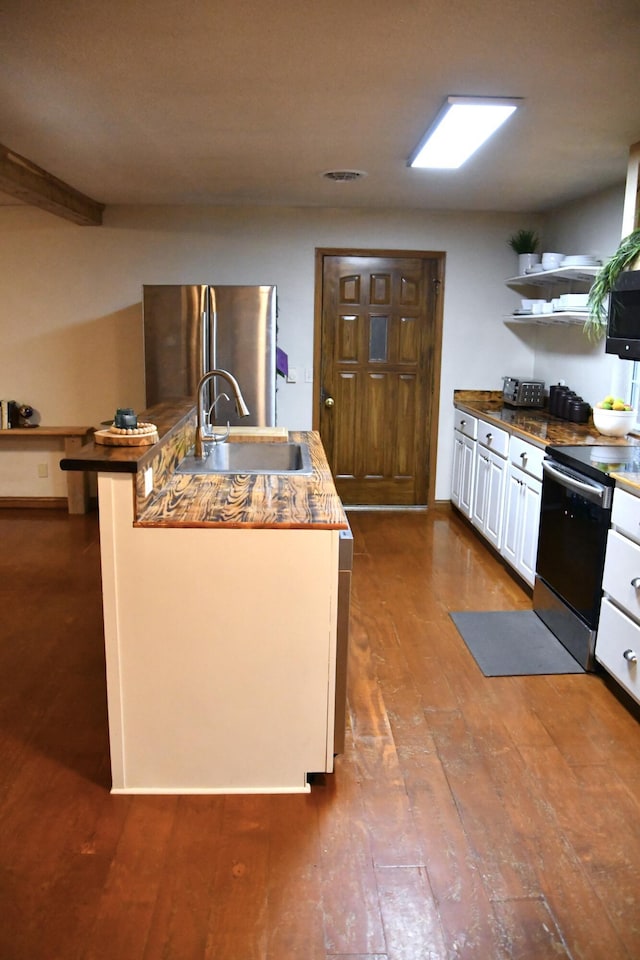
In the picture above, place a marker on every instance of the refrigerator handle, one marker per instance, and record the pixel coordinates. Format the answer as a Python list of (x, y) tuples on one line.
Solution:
[(204, 344)]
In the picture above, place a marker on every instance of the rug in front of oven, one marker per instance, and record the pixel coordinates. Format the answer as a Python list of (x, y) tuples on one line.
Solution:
[(507, 643)]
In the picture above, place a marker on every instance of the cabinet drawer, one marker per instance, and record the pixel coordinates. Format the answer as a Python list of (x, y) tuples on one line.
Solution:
[(617, 635), (465, 423), (493, 438), (621, 568), (625, 514), (526, 457)]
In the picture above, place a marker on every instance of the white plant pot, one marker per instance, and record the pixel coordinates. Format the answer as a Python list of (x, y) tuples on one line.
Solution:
[(527, 260)]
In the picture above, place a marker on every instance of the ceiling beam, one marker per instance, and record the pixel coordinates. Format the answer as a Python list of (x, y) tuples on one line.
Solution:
[(25, 181)]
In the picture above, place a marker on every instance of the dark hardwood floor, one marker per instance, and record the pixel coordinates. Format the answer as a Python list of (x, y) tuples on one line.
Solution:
[(468, 818)]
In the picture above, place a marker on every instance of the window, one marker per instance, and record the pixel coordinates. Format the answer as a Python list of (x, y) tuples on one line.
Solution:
[(635, 385)]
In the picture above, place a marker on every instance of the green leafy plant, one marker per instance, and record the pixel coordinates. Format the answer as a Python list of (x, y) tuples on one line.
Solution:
[(596, 323), (524, 241)]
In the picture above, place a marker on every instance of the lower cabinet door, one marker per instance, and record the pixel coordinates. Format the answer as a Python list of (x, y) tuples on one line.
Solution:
[(456, 472), (531, 502), (480, 490), (521, 522), (512, 520), (467, 475), (488, 495), (618, 647), (495, 500)]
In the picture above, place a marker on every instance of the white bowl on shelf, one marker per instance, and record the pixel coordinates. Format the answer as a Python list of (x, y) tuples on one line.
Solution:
[(613, 423), (551, 261), (569, 300)]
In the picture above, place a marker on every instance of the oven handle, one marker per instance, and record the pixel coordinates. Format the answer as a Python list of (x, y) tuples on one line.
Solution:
[(594, 492)]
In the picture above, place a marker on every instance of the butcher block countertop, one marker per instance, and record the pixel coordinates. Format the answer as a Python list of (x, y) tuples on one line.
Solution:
[(286, 501)]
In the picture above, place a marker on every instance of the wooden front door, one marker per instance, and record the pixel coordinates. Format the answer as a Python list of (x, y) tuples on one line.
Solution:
[(378, 336)]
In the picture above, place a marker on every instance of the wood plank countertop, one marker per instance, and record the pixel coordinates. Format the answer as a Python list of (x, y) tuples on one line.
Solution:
[(38, 430), (286, 501), (169, 417)]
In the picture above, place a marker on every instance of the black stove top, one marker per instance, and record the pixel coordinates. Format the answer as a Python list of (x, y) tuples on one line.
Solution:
[(598, 460)]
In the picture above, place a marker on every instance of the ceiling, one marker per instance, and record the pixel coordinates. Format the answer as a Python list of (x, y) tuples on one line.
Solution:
[(249, 101)]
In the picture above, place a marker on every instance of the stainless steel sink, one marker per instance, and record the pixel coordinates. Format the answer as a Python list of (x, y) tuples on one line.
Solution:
[(266, 457)]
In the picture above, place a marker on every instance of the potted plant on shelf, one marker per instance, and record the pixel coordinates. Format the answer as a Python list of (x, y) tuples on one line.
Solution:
[(525, 243), (624, 257)]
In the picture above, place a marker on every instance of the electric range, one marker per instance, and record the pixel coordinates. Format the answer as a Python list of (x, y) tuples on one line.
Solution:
[(597, 461)]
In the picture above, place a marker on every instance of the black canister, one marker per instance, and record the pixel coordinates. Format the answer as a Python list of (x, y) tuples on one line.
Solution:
[(556, 393), (564, 401), (578, 410)]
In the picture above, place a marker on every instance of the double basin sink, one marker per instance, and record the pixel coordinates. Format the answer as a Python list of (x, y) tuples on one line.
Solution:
[(251, 458)]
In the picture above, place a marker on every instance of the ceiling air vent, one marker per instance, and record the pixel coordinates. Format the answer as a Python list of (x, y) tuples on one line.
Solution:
[(343, 176)]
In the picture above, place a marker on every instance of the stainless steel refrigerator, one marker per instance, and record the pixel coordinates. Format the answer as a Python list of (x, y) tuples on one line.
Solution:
[(189, 329)]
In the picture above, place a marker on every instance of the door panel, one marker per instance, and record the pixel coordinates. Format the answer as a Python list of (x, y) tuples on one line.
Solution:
[(348, 335), (408, 336), (346, 426), (379, 364)]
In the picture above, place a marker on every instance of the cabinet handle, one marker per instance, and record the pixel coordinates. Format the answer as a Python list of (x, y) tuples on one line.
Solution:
[(463, 423), (523, 457), (635, 583), (489, 437), (631, 656)]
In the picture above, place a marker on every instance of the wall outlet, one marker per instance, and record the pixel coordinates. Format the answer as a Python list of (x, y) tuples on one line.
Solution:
[(308, 375), (43, 470), (148, 481)]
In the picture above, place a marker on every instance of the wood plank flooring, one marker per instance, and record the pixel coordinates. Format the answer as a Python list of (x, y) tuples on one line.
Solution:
[(468, 818)]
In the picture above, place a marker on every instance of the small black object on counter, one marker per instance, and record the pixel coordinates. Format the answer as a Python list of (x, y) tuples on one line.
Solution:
[(567, 405), (125, 418)]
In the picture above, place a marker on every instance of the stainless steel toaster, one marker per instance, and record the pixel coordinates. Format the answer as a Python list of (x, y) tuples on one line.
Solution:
[(518, 392)]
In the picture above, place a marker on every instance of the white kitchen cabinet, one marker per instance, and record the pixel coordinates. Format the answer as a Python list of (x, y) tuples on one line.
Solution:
[(618, 639), (522, 499), (489, 481), (464, 456)]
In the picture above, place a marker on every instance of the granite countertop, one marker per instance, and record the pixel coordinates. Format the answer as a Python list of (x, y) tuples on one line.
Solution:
[(535, 425), (540, 428)]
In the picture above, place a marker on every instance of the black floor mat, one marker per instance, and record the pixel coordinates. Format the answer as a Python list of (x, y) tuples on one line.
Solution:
[(508, 643)]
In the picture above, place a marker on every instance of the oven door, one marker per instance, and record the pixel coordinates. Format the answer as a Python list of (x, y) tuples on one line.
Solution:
[(574, 520)]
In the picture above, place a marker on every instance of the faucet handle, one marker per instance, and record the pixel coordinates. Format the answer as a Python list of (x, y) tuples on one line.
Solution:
[(214, 437)]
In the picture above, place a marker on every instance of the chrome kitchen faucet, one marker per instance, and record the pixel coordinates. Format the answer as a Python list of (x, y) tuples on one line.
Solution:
[(241, 407)]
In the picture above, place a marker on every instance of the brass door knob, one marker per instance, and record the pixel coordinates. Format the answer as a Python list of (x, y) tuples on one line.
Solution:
[(329, 402)]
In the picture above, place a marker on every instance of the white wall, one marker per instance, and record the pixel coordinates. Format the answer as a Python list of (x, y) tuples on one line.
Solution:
[(592, 226), (71, 297)]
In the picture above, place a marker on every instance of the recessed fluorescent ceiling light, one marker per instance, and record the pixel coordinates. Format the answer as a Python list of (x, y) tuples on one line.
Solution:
[(463, 124)]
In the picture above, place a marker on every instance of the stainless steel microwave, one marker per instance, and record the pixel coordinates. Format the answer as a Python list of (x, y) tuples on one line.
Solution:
[(623, 321)]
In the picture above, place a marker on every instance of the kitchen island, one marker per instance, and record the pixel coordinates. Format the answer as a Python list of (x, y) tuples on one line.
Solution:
[(220, 599)]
